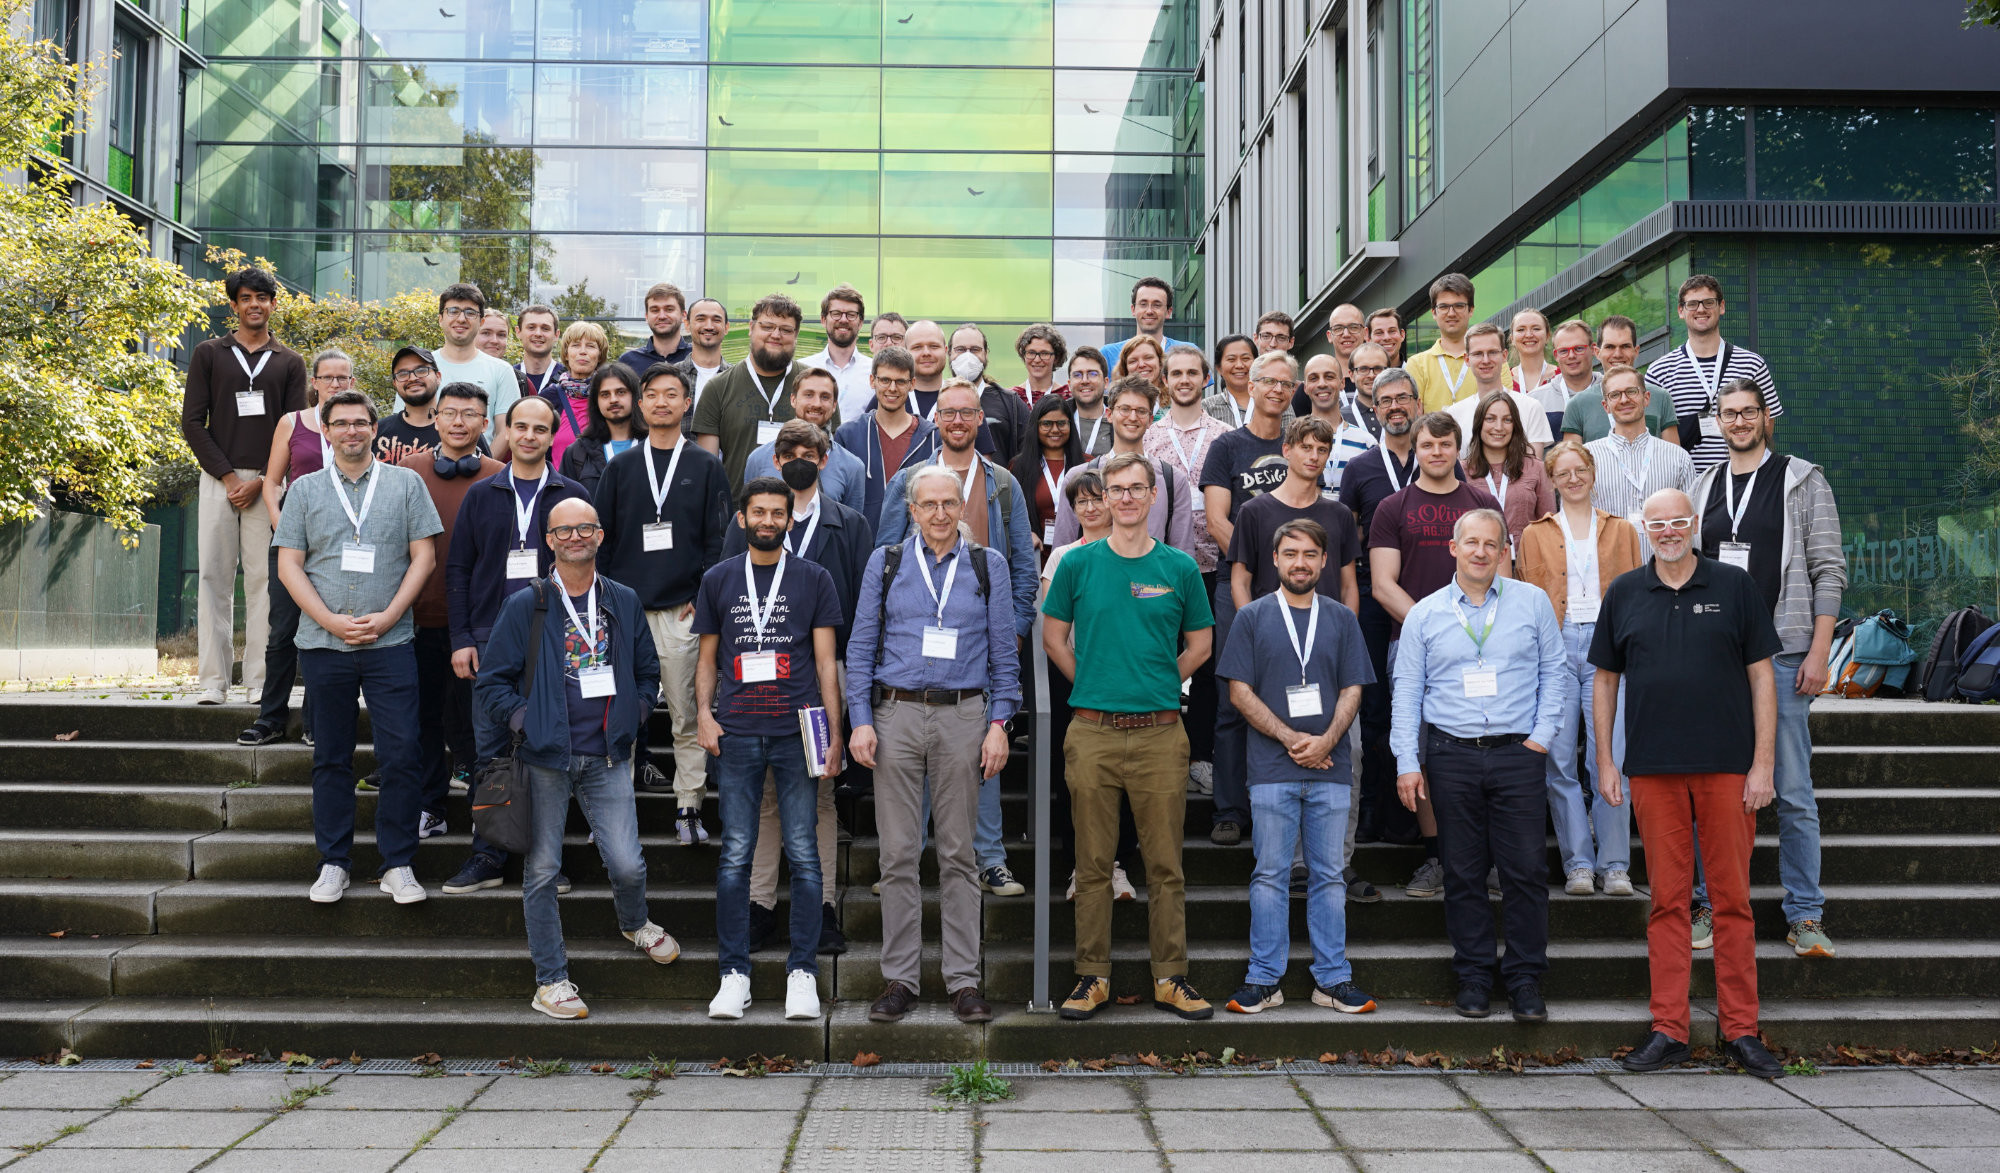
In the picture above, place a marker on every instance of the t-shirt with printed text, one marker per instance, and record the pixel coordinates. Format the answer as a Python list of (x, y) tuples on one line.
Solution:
[(806, 600)]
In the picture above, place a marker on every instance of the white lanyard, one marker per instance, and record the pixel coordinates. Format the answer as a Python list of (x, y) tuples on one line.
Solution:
[(1312, 629), (759, 621), (1187, 463), (1389, 462), (1090, 445), (1234, 411), (1625, 464), (805, 542), (1736, 511), (950, 576), (1499, 494), (525, 513), (325, 449), (587, 630), (660, 487), (965, 481), (1710, 388), (367, 499), (1464, 366), (1581, 567), (250, 373), (1055, 494), (771, 397), (1350, 408)]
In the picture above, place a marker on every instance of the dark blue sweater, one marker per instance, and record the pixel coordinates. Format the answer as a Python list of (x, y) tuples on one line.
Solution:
[(475, 571), (635, 667)]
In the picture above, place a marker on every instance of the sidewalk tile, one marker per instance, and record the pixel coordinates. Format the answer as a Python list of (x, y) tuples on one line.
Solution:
[(1659, 1161), (706, 1160), (528, 1130), (876, 1094), (865, 1129), (1955, 1128), (880, 1161), (19, 1126), (73, 1089), (1073, 1094), (1448, 1161), (396, 1093), (1873, 1089), (163, 1130), (1983, 1086), (1543, 1091), (1958, 1160), (1776, 1128), (1017, 1161), (1417, 1130), (1065, 1130), (558, 1093), (115, 1161), (489, 1160), (1691, 1089), (1571, 1128), (1822, 1161), (1221, 1091), (399, 1131), (308, 1160), (1425, 1092), (243, 1092), (719, 1093), (709, 1130), (1233, 1163), (1240, 1129)]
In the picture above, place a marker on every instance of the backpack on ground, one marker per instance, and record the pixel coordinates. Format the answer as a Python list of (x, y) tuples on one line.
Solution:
[(1979, 672), (1870, 657), (1948, 648), (500, 795)]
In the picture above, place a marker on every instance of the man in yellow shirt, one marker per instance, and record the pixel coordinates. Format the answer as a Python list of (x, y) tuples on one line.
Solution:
[(1440, 373)]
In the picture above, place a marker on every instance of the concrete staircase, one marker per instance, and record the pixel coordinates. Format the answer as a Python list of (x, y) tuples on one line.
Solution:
[(152, 902)]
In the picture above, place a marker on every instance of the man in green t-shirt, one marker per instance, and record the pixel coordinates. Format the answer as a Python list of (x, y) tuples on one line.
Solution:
[(1617, 343), (1127, 620)]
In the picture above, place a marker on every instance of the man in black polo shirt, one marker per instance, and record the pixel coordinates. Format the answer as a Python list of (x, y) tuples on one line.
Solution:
[(1696, 638)]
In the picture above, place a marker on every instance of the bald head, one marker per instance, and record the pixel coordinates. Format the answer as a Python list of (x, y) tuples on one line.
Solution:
[(1671, 524), (925, 342), (1324, 383), (575, 549)]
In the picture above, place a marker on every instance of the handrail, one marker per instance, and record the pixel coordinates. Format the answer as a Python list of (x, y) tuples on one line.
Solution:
[(1041, 745)]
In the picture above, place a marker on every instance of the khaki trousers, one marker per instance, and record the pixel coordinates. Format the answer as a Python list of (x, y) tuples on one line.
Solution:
[(228, 537), (680, 653), (943, 742), (1148, 767)]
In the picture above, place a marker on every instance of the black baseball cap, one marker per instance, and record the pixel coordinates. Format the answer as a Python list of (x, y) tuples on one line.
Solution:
[(429, 359)]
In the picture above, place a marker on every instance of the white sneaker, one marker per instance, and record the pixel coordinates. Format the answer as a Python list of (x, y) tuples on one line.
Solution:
[(212, 696), (733, 998), (1201, 777), (401, 883), (331, 884), (655, 942), (1582, 882), (1121, 887), (1617, 882), (801, 995), (428, 825), (560, 1000)]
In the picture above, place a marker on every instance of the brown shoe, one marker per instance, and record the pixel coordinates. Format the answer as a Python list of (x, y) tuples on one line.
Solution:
[(894, 1002), (1175, 996), (969, 1006), (1090, 994)]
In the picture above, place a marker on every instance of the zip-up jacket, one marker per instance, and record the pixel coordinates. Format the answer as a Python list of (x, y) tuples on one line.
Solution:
[(1813, 574), (635, 668), (861, 437), (475, 572)]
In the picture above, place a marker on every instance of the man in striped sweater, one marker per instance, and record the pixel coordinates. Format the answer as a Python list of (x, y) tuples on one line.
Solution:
[(1694, 372)]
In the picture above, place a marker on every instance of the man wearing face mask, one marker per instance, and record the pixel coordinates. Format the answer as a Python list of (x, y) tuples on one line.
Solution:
[(1006, 415), (929, 370), (839, 540), (815, 394)]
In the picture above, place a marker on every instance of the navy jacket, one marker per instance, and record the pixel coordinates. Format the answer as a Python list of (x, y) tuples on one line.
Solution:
[(641, 358), (635, 666), (475, 571)]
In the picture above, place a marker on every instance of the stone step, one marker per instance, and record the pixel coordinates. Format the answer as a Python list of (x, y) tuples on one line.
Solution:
[(78, 907), (107, 805), (61, 854), (1885, 810), (161, 763), (1932, 766), (1902, 722)]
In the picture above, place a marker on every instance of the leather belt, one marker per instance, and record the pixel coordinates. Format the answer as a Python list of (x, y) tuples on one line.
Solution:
[(1490, 741), (1127, 720), (931, 696)]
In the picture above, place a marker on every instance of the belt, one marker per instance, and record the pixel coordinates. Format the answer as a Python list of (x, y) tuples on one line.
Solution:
[(931, 696), (1127, 720), (1490, 741)]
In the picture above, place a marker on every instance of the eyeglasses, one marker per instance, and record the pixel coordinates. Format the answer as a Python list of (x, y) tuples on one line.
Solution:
[(1572, 351), (1268, 381), (1086, 376), (1268, 338), (878, 341), (1701, 303), (563, 533), (882, 384), (957, 413), (1624, 393), (350, 426), (1731, 415), (1571, 474), (1083, 499), (335, 380), (408, 373), (1356, 328), (1660, 525), (978, 350), (936, 506), (470, 415), (463, 311), (1126, 492), (1451, 307), (1368, 370), (1054, 424), (843, 316), (1392, 399), (1040, 355)]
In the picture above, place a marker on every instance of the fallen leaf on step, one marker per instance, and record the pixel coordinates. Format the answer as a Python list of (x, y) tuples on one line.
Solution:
[(1328, 1057), (354, 1057), (59, 934), (1149, 1058), (603, 1068), (1127, 999), (866, 1058), (427, 1059), (144, 1065), (72, 735)]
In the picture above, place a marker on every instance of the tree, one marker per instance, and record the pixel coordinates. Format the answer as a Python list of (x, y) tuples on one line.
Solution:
[(1982, 12), (89, 400), (576, 303)]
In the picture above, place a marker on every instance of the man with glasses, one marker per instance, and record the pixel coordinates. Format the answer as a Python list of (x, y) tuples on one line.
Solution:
[(888, 330), (354, 551), (887, 437), (1274, 332), (745, 406), (666, 311), (1585, 417), (1695, 372), (816, 394), (1006, 421), (461, 307), (1775, 517), (841, 313), (1632, 463), (1086, 396), (413, 429), (1125, 621), (1358, 409), (1172, 519), (1443, 373), (1152, 305), (1345, 330), (1692, 641), (1042, 351), (1486, 358)]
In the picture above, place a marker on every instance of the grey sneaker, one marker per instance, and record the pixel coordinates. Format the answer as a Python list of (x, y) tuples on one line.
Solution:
[(1493, 882), (1429, 880), (1201, 777), (1581, 882), (1617, 882), (1703, 925)]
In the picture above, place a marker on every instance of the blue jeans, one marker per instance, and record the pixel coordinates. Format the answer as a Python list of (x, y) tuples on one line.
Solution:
[(1283, 816), (739, 780), (338, 681), (604, 791), (1798, 808), (1577, 823), (1232, 733)]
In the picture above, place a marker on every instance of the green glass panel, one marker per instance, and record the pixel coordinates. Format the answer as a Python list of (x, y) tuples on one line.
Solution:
[(966, 195), (1535, 259), (500, 264), (1872, 153), (323, 262), (809, 32), (257, 186), (786, 191), (1378, 207), (986, 109), (1621, 199), (447, 189), (742, 269), (264, 101), (617, 269), (967, 279), (1644, 299), (966, 32), (807, 109), (251, 28), (1118, 110), (1715, 153), (1494, 285), (1677, 160), (447, 102)]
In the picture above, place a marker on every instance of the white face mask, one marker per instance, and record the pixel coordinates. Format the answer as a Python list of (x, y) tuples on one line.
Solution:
[(967, 366)]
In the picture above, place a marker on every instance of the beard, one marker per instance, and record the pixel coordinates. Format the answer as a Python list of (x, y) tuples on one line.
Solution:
[(842, 335), (772, 359), (1399, 430), (420, 398), (760, 540)]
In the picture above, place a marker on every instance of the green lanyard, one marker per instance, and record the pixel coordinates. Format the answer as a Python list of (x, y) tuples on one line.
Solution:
[(1479, 641)]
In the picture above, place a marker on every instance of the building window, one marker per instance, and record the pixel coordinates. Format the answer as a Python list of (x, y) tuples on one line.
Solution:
[(1420, 127), (128, 108)]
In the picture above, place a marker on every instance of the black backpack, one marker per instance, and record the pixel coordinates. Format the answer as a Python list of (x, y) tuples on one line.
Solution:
[(500, 795), (1954, 637), (892, 558)]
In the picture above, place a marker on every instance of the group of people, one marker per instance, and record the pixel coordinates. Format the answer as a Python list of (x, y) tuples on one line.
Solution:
[(834, 563)]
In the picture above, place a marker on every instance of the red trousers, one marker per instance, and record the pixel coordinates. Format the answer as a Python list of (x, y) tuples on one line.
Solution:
[(1667, 806)]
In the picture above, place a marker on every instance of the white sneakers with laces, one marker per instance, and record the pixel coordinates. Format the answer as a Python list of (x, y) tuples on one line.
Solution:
[(733, 998), (401, 884), (801, 995), (331, 885), (560, 1000), (655, 942), (1581, 882), (429, 824)]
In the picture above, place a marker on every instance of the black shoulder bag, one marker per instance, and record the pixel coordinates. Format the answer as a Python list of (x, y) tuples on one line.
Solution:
[(501, 808)]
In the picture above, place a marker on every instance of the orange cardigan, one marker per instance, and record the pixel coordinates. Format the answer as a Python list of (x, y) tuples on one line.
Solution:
[(1545, 563)]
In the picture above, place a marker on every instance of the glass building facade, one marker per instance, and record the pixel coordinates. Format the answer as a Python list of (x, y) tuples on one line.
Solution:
[(998, 161)]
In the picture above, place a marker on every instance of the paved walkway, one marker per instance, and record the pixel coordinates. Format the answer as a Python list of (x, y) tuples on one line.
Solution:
[(129, 1122)]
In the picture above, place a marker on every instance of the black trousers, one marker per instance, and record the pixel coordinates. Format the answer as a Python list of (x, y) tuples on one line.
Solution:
[(1492, 812), (1383, 815), (444, 719), (1202, 699), (281, 658)]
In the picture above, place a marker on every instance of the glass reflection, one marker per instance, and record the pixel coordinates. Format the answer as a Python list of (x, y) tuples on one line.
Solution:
[(809, 32), (621, 30), (742, 269), (995, 110), (326, 259), (1118, 110), (618, 269), (476, 30), (1120, 195), (968, 279), (1093, 278), (619, 105), (966, 195), (808, 109), (617, 191), (499, 265), (447, 102), (1130, 34), (785, 191), (967, 32)]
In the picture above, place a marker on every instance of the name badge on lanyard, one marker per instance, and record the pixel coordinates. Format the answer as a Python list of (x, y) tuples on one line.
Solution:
[(1711, 422), (593, 680), (759, 666), (1580, 568), (767, 429), (1302, 699), (521, 564), (767, 432), (940, 642), (356, 556), (1583, 608), (596, 682), (658, 534), (1482, 682), (1734, 552), (250, 401), (521, 559)]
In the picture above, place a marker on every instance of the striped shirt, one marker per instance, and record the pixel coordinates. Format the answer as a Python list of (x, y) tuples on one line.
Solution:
[(1187, 458), (1349, 441), (1629, 471), (1689, 381)]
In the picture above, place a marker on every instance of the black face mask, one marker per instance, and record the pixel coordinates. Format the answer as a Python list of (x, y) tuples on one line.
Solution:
[(464, 466), (799, 473)]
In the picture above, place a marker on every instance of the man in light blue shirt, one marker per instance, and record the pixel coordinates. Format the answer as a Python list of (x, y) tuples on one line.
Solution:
[(1479, 679)]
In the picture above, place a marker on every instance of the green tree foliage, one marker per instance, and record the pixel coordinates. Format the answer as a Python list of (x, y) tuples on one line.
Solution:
[(1973, 385), (89, 400), (1982, 12), (576, 303)]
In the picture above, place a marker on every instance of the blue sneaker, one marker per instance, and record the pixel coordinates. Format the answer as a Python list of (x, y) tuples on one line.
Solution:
[(478, 872)]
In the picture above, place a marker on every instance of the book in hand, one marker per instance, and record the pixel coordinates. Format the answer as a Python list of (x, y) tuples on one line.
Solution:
[(816, 733)]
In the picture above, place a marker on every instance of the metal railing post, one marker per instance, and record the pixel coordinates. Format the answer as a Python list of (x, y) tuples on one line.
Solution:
[(1041, 747)]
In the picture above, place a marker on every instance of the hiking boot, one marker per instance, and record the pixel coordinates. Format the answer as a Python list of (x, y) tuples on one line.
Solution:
[(969, 1006), (1808, 939), (1176, 997), (1089, 996), (895, 1001), (1346, 997), (1429, 880), (1702, 927), (1252, 998)]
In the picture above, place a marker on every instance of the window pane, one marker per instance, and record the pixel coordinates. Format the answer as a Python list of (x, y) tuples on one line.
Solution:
[(809, 109), (785, 191), (967, 279), (322, 261), (1621, 199), (1093, 278), (448, 189), (1495, 283), (629, 30), (619, 105), (1120, 195), (809, 32), (479, 30), (742, 269), (1867, 153), (966, 195), (1677, 160), (940, 32), (1116, 110), (617, 191), (268, 102), (1130, 34), (235, 28), (618, 269), (1715, 153), (499, 265), (447, 102), (995, 110), (259, 186)]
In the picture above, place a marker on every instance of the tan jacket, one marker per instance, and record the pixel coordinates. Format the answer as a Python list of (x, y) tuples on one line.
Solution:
[(1545, 563)]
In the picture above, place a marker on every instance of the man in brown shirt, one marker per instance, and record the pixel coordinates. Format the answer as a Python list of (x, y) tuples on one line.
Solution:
[(238, 387), (444, 701)]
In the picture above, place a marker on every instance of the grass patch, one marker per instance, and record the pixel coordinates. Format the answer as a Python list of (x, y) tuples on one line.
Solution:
[(297, 1097), (543, 1068), (974, 1085)]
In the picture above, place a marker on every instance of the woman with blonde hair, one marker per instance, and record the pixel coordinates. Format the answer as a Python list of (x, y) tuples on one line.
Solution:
[(1573, 554), (582, 349), (1143, 357)]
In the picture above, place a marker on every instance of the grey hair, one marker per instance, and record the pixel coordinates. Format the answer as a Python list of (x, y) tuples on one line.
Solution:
[(924, 472), (1270, 356), (330, 353), (1392, 376), (1492, 515), (1662, 494)]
